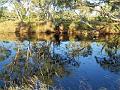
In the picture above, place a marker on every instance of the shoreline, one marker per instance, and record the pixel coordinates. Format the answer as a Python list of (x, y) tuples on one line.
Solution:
[(53, 36), (49, 27)]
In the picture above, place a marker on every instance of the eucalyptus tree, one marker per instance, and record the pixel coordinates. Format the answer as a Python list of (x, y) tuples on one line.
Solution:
[(43, 8), (1, 12), (109, 10), (73, 10), (2, 2), (21, 8), (114, 9)]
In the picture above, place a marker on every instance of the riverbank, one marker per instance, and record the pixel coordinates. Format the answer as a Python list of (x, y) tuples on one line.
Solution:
[(8, 26), (54, 37), (48, 26)]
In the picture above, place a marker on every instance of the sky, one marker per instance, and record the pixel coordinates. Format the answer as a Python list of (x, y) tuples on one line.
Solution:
[(94, 1)]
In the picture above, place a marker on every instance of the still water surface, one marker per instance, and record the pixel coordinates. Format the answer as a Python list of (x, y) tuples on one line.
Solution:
[(54, 62)]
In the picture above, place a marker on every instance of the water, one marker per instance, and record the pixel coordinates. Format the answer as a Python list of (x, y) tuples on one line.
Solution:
[(60, 62)]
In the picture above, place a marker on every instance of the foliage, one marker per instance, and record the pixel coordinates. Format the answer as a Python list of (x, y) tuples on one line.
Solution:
[(63, 11)]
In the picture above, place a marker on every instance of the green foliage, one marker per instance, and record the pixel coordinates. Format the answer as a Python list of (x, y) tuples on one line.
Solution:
[(2, 2), (1, 12), (64, 11)]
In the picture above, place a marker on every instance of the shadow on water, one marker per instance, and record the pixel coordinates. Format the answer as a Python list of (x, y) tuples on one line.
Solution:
[(59, 61)]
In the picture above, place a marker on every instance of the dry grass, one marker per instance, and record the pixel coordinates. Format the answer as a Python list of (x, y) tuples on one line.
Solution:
[(8, 26), (8, 37)]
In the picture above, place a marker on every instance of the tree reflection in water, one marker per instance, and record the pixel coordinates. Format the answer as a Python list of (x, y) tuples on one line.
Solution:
[(37, 65), (34, 67), (4, 53), (112, 49)]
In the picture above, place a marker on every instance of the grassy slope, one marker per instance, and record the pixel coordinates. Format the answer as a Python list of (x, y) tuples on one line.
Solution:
[(8, 26)]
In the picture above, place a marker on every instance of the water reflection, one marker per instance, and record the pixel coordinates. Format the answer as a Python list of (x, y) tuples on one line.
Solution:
[(57, 61), (33, 63), (112, 59)]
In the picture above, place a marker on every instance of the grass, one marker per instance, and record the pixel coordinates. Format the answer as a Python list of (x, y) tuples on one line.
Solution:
[(8, 26)]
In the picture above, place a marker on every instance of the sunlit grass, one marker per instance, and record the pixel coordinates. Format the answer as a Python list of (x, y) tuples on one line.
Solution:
[(8, 26)]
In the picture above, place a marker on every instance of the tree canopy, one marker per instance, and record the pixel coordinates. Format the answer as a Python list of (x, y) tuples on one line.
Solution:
[(49, 8), (67, 11)]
